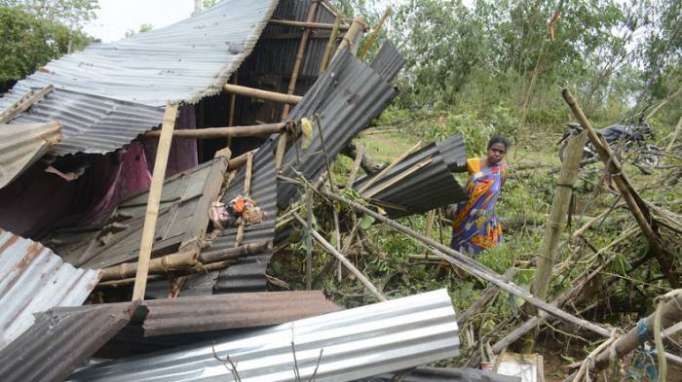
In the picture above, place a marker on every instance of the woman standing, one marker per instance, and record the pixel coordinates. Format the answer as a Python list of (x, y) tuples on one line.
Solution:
[(475, 227)]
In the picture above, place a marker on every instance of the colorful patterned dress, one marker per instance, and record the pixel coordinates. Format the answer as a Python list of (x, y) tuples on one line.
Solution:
[(475, 227)]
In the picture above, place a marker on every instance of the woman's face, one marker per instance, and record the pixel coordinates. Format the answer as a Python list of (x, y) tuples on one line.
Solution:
[(496, 153)]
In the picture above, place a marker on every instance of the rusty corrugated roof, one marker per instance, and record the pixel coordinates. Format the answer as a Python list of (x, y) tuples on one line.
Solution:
[(34, 279), (22, 145), (60, 340), (231, 311)]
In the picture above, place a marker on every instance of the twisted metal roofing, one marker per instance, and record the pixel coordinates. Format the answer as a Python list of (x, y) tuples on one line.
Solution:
[(109, 93), (34, 279), (60, 340), (19, 151), (341, 346), (432, 186)]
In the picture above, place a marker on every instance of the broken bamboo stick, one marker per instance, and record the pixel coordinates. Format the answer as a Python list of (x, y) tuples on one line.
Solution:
[(351, 36), (371, 39), (309, 239), (486, 296), (24, 103), (332, 251), (224, 132), (474, 268), (637, 206), (382, 186), (153, 201), (306, 24), (262, 94), (562, 198)]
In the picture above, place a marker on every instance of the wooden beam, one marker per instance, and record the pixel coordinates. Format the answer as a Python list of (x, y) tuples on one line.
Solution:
[(152, 214), (263, 94), (25, 102), (306, 24), (224, 132), (388, 168)]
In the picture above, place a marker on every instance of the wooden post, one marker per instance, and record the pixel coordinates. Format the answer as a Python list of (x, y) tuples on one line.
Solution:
[(282, 140), (331, 250), (262, 94), (557, 217), (152, 214), (636, 205), (324, 63), (232, 107), (375, 34), (247, 194)]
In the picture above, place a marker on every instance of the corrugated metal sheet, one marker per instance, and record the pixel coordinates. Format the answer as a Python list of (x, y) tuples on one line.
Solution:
[(231, 311), (182, 62), (431, 186), (61, 340), (21, 146), (434, 374), (183, 218), (346, 98), (249, 272), (276, 56), (34, 279), (346, 345), (388, 61), (90, 123)]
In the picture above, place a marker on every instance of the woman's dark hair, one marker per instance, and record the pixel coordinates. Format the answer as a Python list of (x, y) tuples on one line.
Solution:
[(498, 139)]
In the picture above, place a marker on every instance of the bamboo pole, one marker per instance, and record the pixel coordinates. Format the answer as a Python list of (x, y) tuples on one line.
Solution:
[(309, 239), (636, 205), (262, 94), (24, 103), (562, 199), (375, 33), (332, 251), (247, 193), (183, 260), (232, 106), (474, 268), (282, 140), (153, 201), (224, 132), (348, 41), (324, 63), (238, 161), (356, 166), (388, 168), (307, 24), (486, 296)]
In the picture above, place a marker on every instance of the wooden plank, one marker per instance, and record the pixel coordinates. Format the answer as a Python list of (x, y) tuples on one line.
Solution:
[(151, 216), (24, 103)]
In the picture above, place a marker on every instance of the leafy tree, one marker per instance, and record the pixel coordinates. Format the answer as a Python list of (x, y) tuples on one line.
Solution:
[(143, 28)]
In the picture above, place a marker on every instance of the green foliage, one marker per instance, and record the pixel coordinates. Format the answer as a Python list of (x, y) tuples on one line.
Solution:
[(143, 28), (29, 42)]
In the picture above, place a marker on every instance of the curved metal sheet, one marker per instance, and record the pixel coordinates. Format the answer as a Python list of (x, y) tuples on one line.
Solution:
[(21, 146)]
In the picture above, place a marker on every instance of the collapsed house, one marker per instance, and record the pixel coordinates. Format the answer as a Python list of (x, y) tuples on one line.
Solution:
[(270, 93)]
